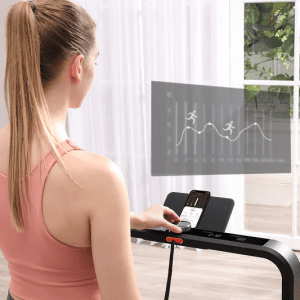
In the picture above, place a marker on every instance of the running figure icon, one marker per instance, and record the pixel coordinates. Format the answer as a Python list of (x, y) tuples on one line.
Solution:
[(192, 117), (230, 127)]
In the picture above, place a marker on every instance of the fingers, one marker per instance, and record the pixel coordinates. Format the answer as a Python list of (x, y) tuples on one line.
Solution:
[(170, 214), (172, 227)]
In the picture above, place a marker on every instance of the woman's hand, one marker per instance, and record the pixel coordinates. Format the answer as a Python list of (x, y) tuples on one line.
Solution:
[(159, 216)]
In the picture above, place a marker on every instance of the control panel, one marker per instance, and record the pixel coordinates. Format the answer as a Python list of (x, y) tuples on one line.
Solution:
[(231, 237)]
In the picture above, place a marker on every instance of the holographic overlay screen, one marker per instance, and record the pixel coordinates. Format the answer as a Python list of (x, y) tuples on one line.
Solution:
[(208, 130)]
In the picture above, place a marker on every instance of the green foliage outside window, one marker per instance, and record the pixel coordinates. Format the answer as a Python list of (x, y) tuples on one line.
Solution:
[(271, 24)]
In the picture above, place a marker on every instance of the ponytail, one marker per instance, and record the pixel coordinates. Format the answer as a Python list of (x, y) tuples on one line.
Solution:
[(31, 65)]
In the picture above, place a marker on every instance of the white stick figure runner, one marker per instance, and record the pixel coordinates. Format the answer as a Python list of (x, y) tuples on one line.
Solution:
[(192, 117), (230, 127)]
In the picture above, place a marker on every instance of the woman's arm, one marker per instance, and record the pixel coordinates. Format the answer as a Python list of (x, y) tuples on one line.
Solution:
[(136, 221)]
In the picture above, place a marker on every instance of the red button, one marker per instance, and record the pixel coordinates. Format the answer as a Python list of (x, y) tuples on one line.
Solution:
[(177, 240)]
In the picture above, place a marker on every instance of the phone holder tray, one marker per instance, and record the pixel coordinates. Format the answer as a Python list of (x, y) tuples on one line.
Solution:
[(216, 215)]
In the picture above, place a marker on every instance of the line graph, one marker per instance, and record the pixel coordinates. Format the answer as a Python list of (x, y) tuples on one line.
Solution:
[(211, 130), (222, 136)]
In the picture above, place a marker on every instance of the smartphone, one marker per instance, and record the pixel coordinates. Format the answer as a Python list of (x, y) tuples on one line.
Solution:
[(194, 207)]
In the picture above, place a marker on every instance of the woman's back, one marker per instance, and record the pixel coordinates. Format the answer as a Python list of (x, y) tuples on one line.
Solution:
[(97, 217), (104, 203), (100, 214), (64, 216)]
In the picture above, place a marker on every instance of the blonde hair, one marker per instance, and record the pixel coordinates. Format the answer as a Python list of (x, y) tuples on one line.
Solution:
[(39, 43)]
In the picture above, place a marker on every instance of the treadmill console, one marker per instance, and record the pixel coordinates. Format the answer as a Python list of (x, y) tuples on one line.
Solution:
[(231, 237)]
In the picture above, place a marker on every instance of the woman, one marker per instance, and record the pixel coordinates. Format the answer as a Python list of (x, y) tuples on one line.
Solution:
[(72, 238)]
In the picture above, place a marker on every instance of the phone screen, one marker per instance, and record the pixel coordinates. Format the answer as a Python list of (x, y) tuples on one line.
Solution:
[(194, 207)]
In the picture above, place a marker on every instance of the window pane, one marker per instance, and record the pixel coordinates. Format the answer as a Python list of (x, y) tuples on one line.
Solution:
[(268, 197), (269, 41)]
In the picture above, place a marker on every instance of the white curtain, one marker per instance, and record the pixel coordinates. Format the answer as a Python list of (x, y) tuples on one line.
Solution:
[(182, 41)]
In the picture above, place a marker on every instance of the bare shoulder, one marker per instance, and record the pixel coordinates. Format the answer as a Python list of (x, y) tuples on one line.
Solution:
[(88, 170), (90, 159), (95, 174), (94, 169), (82, 166)]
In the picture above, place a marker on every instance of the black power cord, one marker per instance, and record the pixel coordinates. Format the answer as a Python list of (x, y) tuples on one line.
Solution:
[(185, 227), (170, 271)]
